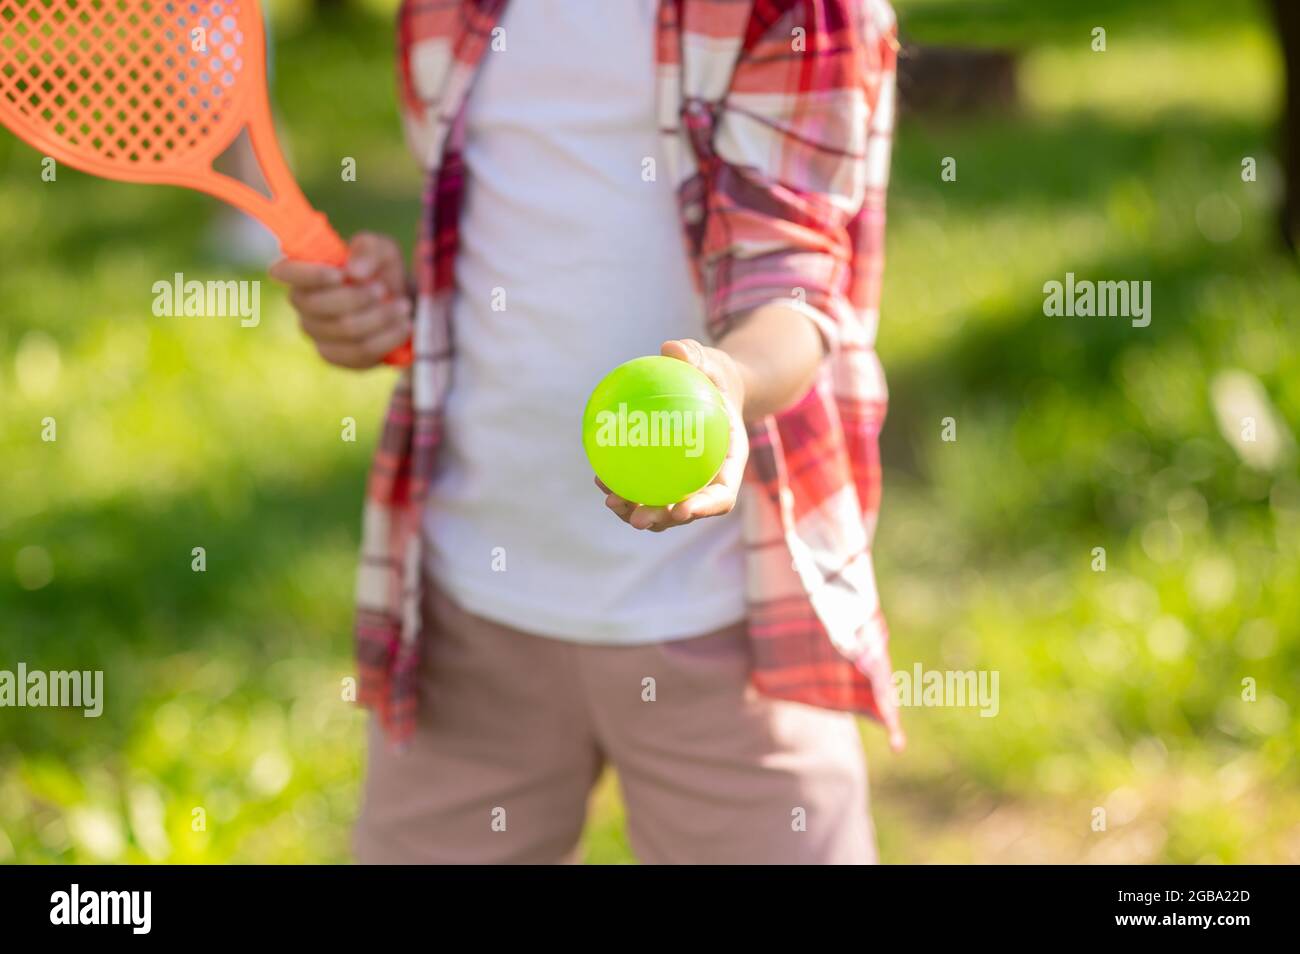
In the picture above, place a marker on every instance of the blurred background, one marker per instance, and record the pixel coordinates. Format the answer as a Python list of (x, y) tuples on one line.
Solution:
[(1121, 689)]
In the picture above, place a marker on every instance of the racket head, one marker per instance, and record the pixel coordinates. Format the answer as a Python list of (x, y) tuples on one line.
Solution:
[(152, 91), (135, 90)]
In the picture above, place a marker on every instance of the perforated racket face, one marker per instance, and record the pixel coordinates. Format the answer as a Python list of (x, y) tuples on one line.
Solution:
[(126, 88), (153, 91)]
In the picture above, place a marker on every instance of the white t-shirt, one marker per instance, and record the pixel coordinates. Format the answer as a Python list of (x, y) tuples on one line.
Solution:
[(570, 263)]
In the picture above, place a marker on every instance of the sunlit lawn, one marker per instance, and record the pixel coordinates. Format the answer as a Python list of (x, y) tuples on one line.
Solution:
[(1120, 690)]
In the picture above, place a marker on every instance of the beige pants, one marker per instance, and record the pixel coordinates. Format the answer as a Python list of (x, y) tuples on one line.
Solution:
[(515, 729)]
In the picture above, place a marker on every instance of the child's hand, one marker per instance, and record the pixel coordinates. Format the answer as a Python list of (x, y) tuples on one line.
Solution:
[(719, 496), (357, 314)]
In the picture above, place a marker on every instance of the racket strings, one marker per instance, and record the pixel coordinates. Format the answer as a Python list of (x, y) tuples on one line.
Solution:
[(126, 82)]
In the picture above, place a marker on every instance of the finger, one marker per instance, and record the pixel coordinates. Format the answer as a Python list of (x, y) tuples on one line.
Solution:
[(380, 345), (366, 253), (342, 354), (684, 349), (392, 271), (712, 501), (698, 356), (379, 258), (367, 353), (335, 302), (648, 518), (305, 275), (357, 326), (622, 508)]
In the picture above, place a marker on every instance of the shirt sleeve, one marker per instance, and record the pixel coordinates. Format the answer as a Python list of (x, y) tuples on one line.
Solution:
[(790, 141)]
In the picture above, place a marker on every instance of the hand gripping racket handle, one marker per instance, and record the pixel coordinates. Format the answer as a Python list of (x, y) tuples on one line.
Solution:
[(318, 242)]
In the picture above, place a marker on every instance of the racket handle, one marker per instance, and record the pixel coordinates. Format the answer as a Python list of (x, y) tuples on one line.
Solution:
[(318, 242)]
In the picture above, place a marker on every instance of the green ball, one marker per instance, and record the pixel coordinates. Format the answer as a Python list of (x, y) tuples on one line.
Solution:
[(655, 430)]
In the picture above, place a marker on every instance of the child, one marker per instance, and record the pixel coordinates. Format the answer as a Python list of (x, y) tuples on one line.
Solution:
[(606, 179)]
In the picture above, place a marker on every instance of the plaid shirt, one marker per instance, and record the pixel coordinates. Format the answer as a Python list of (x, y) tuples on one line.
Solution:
[(776, 119)]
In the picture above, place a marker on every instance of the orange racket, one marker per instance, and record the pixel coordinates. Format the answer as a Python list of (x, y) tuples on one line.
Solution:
[(154, 91)]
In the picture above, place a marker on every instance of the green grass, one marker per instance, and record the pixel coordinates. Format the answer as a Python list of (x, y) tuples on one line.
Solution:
[(1119, 689)]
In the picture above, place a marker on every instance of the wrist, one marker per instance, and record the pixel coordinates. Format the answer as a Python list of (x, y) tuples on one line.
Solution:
[(741, 377), (776, 352)]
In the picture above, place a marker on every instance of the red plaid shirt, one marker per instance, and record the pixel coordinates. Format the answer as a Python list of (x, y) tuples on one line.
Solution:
[(776, 119)]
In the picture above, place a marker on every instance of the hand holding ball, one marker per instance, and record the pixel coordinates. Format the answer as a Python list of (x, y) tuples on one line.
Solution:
[(655, 430)]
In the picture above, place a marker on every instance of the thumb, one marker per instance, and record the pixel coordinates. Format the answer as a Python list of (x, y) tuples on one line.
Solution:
[(696, 355), (367, 255), (690, 351)]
